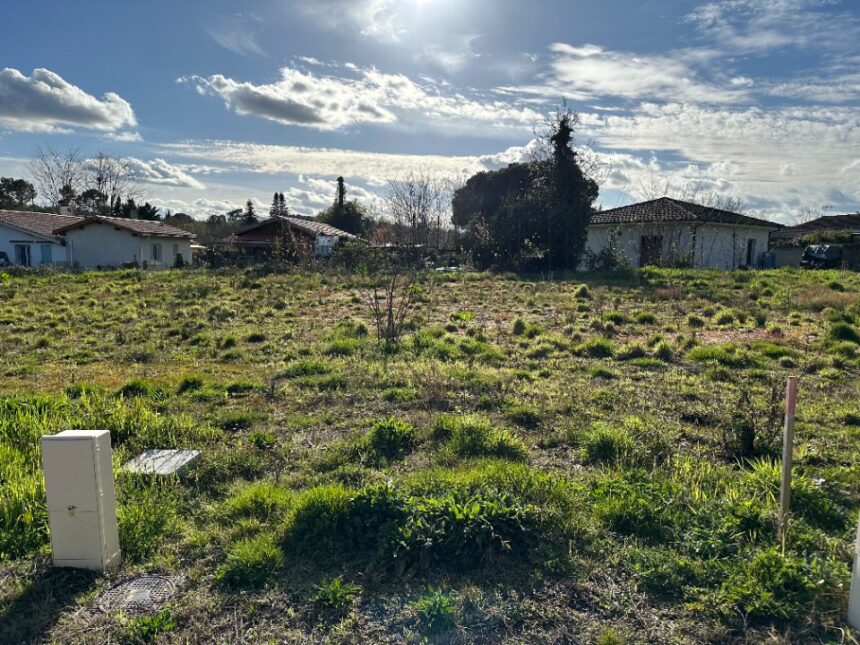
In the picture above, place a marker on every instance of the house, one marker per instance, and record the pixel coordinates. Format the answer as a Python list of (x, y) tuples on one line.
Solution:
[(97, 241), (670, 232), (787, 244), (34, 239), (28, 239), (313, 238)]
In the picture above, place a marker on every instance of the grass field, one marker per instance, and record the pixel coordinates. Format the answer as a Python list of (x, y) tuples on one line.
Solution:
[(593, 459)]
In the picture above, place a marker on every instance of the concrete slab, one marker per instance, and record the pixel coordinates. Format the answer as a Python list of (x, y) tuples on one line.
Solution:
[(162, 462)]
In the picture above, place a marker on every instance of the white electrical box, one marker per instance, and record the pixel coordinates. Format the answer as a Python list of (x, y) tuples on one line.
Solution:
[(81, 500)]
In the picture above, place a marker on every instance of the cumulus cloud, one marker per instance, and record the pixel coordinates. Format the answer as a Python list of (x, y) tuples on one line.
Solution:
[(124, 137), (161, 173), (45, 102), (362, 96)]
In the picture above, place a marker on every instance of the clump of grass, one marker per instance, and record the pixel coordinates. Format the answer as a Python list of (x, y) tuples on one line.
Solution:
[(607, 444), (582, 293), (251, 562), (663, 351), (239, 420), (148, 515), (391, 438), (522, 328), (724, 317), (333, 597), (645, 318), (472, 436), (630, 351), (307, 368), (523, 416), (727, 355), (599, 347), (436, 612), (842, 331), (264, 501), (342, 347), (140, 388), (694, 321), (192, 383), (262, 440)]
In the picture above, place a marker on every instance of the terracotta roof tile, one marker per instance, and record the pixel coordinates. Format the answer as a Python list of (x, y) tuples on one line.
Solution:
[(666, 209), (142, 227), (43, 224)]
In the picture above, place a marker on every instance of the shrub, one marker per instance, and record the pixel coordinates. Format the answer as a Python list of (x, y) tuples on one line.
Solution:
[(250, 562), (436, 612), (391, 438), (607, 444), (844, 332), (520, 327)]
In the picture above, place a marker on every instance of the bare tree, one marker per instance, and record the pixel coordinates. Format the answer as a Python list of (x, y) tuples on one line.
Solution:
[(56, 173), (418, 203), (112, 177)]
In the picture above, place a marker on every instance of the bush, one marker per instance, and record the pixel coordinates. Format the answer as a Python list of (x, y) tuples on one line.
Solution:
[(250, 562), (391, 439), (436, 612)]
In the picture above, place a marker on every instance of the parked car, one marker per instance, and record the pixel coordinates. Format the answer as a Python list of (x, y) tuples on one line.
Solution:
[(822, 256)]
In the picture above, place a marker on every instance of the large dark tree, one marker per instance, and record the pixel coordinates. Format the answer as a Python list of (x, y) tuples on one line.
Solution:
[(16, 194), (530, 214), (349, 216), (250, 214)]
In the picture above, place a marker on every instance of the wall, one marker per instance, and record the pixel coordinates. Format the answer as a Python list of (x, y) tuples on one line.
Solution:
[(103, 245), (720, 246), (8, 237)]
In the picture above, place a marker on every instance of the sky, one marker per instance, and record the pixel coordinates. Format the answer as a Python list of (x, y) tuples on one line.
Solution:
[(215, 102)]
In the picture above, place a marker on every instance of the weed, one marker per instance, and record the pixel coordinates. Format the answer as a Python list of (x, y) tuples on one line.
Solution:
[(334, 597), (250, 562), (145, 629), (436, 612)]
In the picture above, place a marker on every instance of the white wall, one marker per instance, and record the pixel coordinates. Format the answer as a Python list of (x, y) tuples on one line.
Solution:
[(104, 245), (10, 236), (720, 246)]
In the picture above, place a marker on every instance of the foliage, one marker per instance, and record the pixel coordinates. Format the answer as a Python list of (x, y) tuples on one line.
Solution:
[(251, 562), (333, 596), (436, 612), (145, 629), (391, 438)]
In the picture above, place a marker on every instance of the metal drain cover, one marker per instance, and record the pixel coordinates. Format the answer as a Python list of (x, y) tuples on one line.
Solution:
[(141, 595)]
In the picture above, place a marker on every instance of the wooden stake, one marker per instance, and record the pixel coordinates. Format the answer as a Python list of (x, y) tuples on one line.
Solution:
[(787, 453), (854, 601)]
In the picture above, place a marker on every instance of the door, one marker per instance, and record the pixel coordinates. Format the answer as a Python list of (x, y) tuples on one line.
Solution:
[(651, 250), (22, 255), (751, 258)]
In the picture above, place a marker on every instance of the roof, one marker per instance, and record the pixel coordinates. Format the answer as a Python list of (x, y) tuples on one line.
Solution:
[(666, 209), (42, 224), (826, 223), (309, 226), (141, 227)]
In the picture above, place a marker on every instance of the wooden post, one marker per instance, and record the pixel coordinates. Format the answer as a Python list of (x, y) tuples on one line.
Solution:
[(787, 450), (854, 602)]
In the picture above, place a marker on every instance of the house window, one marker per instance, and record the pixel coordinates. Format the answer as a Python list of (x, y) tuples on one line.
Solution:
[(650, 250), (156, 252), (22, 255), (47, 253), (751, 253)]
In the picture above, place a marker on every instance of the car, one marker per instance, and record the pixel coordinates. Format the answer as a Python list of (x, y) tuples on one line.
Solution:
[(822, 256)]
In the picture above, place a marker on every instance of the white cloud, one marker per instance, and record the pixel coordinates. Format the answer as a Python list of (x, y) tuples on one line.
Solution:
[(365, 96), (124, 137), (590, 72), (161, 173), (238, 33), (383, 20), (45, 102)]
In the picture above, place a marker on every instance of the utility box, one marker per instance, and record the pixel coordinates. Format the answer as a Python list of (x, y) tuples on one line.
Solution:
[(81, 500)]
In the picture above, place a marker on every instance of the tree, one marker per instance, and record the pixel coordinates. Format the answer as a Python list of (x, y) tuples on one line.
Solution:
[(534, 213), (349, 216), (92, 201), (57, 175), (250, 214), (16, 194), (417, 203), (111, 177)]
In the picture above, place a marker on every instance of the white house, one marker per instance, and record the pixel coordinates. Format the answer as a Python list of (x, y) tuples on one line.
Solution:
[(28, 239), (33, 239), (669, 232)]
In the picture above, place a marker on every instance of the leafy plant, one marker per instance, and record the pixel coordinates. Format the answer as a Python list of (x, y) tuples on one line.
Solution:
[(436, 612)]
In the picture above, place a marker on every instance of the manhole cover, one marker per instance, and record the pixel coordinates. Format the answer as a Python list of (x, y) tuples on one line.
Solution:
[(143, 594)]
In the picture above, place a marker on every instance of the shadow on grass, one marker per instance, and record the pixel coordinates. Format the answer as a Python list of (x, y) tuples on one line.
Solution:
[(33, 612)]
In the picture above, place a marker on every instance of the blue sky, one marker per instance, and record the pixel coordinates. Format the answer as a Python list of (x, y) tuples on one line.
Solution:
[(215, 102)]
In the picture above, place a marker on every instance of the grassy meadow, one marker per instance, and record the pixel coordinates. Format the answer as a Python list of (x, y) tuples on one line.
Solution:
[(588, 459)]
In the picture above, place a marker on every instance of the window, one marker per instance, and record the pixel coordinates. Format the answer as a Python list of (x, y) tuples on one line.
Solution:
[(156, 252), (22, 255), (651, 250), (47, 253), (751, 258)]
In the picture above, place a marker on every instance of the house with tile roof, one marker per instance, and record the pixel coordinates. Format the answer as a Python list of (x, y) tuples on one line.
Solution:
[(670, 232), (788, 244), (313, 238), (34, 239)]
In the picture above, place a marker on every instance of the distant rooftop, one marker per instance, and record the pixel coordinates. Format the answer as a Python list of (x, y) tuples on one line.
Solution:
[(826, 223), (142, 227), (666, 209), (43, 224)]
